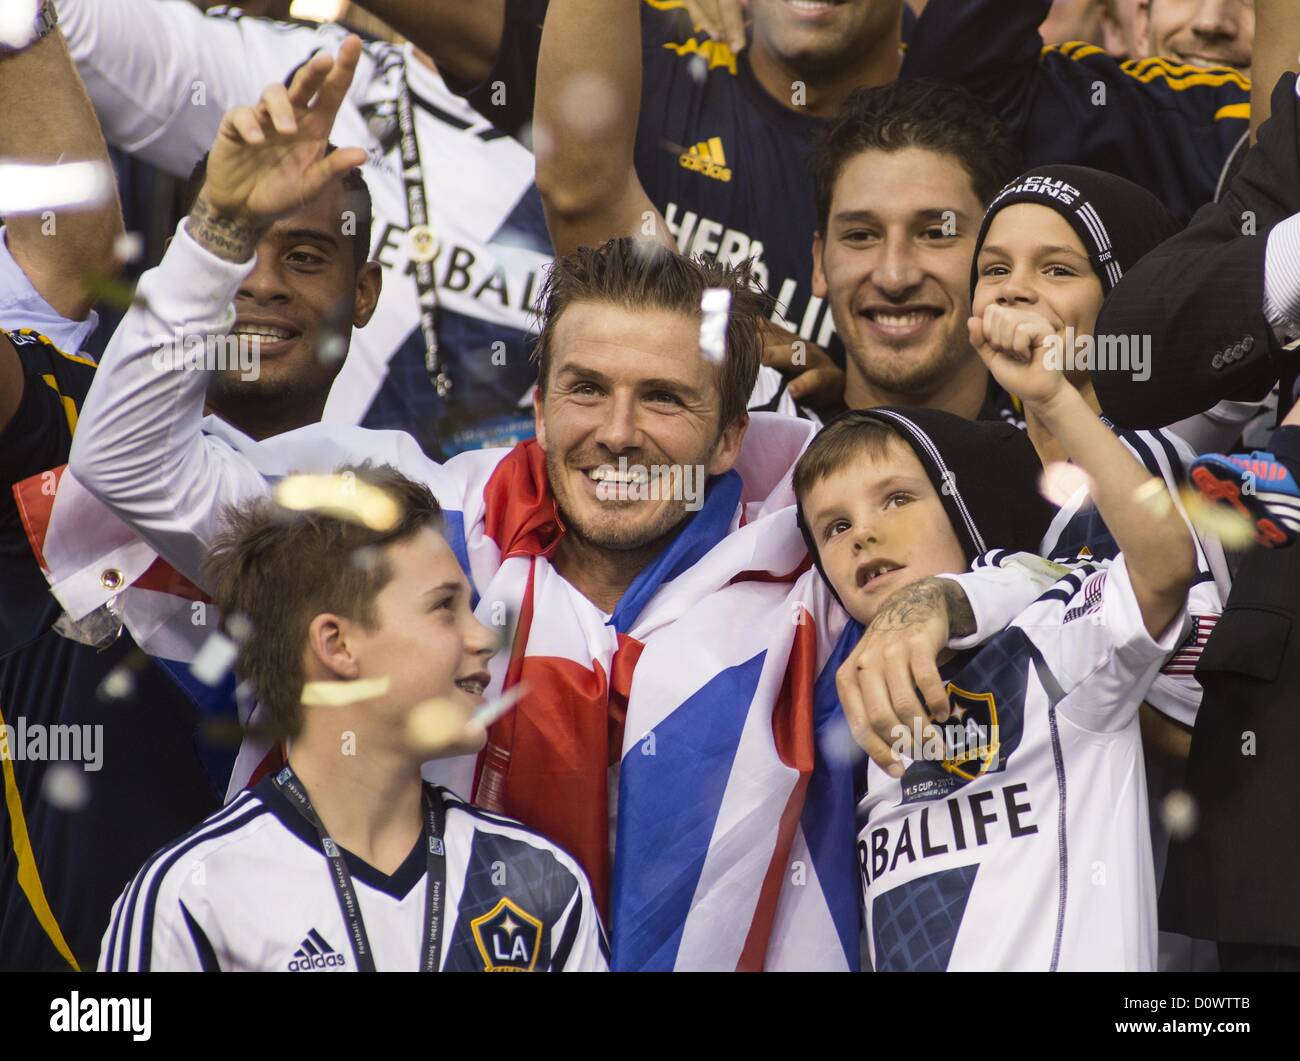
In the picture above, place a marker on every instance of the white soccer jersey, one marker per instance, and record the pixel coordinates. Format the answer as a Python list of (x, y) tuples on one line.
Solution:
[(161, 75), (1078, 534), (1029, 848), (251, 890)]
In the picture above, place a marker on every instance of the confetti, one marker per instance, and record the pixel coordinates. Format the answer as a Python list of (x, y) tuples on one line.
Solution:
[(715, 306), (118, 684), (1154, 497), (18, 22), (128, 247), (1233, 529), (1061, 481), (65, 787), (1179, 814), (29, 189), (214, 658), (341, 496), (318, 10), (436, 724), (486, 714), (591, 106), (341, 694)]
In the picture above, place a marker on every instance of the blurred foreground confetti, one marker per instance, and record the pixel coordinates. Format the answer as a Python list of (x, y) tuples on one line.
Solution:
[(28, 189), (341, 694), (341, 496), (1233, 529), (1061, 480)]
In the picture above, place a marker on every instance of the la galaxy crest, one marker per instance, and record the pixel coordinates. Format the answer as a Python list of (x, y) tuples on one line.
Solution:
[(508, 939), (976, 741)]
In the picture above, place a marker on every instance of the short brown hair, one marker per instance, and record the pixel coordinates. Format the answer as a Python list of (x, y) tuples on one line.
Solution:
[(915, 113), (637, 274), (278, 570), (838, 443)]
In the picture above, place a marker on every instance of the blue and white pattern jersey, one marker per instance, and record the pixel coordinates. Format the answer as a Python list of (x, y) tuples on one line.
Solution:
[(1024, 843), (251, 890)]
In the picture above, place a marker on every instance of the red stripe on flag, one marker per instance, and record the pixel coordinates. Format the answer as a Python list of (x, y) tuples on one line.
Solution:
[(792, 729)]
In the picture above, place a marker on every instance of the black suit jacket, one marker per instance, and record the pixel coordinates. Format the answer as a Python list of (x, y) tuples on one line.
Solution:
[(1200, 294)]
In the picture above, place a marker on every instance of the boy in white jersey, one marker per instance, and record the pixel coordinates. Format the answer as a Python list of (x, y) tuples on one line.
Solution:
[(365, 651), (1014, 836)]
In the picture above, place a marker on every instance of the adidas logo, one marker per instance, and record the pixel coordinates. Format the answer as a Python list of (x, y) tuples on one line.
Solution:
[(707, 157), (314, 953)]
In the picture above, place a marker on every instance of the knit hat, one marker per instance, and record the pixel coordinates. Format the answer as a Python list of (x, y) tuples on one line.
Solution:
[(1117, 221), (985, 471)]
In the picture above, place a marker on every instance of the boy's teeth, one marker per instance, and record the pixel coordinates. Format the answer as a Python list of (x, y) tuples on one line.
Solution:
[(471, 687)]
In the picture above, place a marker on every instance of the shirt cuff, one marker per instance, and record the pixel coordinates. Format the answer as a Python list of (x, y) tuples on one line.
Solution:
[(1282, 279)]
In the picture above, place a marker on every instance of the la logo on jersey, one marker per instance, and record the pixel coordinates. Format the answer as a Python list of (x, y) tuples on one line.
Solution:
[(314, 953), (508, 939)]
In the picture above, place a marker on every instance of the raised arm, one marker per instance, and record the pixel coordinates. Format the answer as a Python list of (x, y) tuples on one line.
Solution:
[(1277, 45), (139, 445), (47, 118), (1156, 544), (585, 121), (461, 36)]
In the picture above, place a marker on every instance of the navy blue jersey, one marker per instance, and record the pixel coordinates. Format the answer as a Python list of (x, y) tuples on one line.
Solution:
[(1168, 127), (714, 153), (129, 777)]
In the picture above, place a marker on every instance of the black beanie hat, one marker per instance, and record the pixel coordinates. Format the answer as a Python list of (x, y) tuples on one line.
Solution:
[(1117, 221), (986, 472)]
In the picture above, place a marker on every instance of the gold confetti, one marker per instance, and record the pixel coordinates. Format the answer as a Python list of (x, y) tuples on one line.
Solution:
[(1061, 480), (1153, 495), (436, 724), (1232, 528), (341, 694), (341, 496), (1179, 813)]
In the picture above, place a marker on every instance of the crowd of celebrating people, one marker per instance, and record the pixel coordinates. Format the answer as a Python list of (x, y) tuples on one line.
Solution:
[(644, 485)]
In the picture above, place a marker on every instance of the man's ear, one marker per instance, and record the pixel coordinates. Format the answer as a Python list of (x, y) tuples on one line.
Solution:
[(819, 288), (370, 281), (727, 451), (331, 652), (539, 421)]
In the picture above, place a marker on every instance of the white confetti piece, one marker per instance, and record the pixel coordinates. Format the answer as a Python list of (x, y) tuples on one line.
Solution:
[(28, 189), (65, 787), (214, 658), (18, 22), (715, 307), (118, 684), (1061, 480), (486, 714), (1179, 813), (128, 247)]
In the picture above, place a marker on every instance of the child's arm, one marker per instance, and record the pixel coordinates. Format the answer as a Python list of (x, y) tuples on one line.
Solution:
[(1158, 547)]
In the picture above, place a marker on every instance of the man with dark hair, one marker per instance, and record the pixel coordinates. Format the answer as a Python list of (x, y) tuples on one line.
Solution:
[(901, 179), (295, 313), (413, 869)]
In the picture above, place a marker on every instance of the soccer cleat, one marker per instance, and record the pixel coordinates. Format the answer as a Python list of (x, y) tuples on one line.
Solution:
[(1259, 486)]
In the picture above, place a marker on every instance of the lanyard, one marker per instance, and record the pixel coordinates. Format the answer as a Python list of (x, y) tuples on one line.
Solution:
[(435, 876), (421, 240)]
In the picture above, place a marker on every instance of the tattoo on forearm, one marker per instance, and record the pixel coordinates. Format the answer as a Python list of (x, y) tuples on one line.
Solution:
[(916, 604), (233, 240)]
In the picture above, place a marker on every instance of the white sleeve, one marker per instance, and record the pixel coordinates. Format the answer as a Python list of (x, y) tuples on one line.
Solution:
[(1282, 279), (588, 952), (139, 446), (1094, 644), (172, 946), (999, 586), (161, 73), (22, 306)]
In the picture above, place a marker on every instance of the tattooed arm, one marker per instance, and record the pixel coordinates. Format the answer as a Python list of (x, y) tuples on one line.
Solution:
[(899, 653)]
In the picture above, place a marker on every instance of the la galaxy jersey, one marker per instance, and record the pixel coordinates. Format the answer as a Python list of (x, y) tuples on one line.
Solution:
[(251, 890), (724, 162), (1023, 843), (1078, 534)]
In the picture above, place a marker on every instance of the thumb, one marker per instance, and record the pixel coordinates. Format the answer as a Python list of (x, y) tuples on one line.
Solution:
[(976, 327)]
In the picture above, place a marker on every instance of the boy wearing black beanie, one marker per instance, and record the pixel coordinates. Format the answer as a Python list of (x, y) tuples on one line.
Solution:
[(982, 851)]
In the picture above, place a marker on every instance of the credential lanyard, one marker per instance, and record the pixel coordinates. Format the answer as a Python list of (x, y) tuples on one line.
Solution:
[(435, 876), (422, 243)]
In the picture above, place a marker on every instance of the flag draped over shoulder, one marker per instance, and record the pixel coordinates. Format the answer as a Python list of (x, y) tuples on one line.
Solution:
[(704, 690)]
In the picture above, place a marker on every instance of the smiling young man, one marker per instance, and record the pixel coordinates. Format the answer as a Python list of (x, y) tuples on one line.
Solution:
[(902, 177), (373, 870)]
